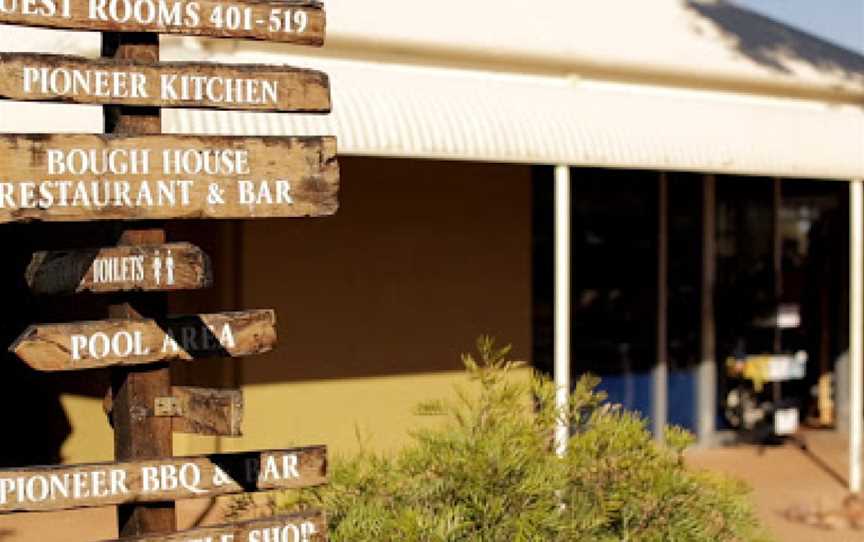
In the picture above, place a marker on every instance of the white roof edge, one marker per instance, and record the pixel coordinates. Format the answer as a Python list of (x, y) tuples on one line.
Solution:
[(711, 44), (601, 68), (398, 111)]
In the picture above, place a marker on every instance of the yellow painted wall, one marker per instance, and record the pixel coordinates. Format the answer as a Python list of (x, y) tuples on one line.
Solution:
[(375, 305), (92, 438), (378, 410)]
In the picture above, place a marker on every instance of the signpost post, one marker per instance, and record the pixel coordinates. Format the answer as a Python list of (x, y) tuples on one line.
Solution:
[(135, 390), (134, 173)]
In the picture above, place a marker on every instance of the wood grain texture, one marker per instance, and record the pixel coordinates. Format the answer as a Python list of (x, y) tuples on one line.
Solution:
[(66, 487), (184, 17), (134, 341), (64, 177), (152, 268), (303, 527), (36, 77), (208, 411), (136, 435)]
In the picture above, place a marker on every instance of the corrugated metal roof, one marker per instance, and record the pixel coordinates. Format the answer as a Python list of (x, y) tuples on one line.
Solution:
[(409, 111), (707, 43), (417, 107)]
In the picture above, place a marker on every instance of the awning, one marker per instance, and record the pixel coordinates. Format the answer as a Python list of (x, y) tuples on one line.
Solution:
[(419, 111), (410, 111)]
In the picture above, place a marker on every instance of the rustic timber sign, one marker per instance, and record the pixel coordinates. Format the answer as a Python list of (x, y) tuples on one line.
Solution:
[(60, 178), (304, 527), (203, 411), (159, 268), (197, 411), (93, 177), (102, 343), (103, 484), (30, 77), (291, 21)]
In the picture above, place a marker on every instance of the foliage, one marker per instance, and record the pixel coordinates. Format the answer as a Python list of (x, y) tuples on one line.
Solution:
[(490, 473)]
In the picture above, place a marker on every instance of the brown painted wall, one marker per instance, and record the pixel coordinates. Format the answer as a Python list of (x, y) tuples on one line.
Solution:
[(421, 258)]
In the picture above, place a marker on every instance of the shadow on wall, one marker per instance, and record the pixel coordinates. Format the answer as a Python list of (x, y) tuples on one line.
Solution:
[(421, 259), (35, 423), (772, 44)]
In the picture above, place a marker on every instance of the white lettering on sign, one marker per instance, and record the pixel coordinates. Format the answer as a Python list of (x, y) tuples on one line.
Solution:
[(219, 90), (168, 13), (99, 193), (42, 8), (274, 468), (284, 533), (166, 268), (120, 83), (124, 344), (99, 162), (134, 269), (263, 193), (56, 488), (50, 487), (209, 161), (171, 478), (71, 82), (194, 338), (100, 345), (220, 478), (95, 194), (149, 12), (118, 269)]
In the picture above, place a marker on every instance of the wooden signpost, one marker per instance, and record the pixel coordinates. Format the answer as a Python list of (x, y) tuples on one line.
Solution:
[(65, 487), (197, 411), (154, 268), (203, 411), (305, 527), (30, 77), (289, 21), (134, 173), (103, 343), (63, 178)]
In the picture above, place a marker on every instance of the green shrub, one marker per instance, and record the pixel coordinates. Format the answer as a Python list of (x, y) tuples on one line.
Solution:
[(489, 474)]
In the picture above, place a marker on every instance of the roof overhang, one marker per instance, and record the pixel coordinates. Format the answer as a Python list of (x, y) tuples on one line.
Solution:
[(451, 114)]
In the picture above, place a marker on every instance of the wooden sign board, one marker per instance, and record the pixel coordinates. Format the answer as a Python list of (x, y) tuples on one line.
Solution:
[(303, 527), (153, 268), (204, 411), (103, 343), (97, 177), (290, 21), (65, 487), (32, 77)]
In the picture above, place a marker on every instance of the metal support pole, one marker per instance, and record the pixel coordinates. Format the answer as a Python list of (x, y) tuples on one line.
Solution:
[(707, 376), (856, 328), (562, 303), (660, 374)]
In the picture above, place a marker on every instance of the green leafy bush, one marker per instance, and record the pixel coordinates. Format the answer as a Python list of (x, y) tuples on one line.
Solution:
[(490, 473)]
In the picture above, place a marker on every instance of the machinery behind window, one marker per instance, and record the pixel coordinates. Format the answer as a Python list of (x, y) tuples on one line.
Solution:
[(754, 400), (781, 271)]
